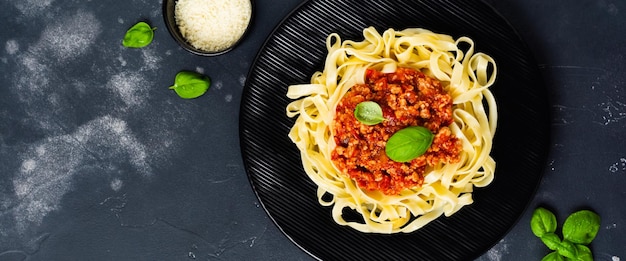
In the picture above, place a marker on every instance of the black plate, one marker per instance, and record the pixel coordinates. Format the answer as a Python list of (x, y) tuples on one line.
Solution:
[(296, 49)]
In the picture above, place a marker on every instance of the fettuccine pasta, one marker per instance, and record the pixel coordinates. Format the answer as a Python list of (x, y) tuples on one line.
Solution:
[(446, 188)]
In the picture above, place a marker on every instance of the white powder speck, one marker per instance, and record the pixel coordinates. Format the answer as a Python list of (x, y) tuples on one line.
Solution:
[(40, 150), (120, 20), (228, 98), (611, 226), (116, 184), (156, 12), (242, 80), (12, 47), (612, 9), (28, 165), (615, 258), (118, 127), (200, 70), (617, 166), (218, 85), (122, 61), (49, 167)]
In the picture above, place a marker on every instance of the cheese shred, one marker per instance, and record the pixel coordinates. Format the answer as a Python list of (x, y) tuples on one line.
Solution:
[(213, 25)]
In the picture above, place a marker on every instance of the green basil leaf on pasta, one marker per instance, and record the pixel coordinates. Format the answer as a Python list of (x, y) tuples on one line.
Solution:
[(139, 35), (542, 221), (408, 143), (189, 85), (369, 113), (581, 227)]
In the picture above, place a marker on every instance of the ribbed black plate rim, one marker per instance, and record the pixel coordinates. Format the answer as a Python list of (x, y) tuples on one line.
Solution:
[(296, 49)]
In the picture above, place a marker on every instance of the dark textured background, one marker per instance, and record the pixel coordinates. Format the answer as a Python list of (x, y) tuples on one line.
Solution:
[(100, 161)]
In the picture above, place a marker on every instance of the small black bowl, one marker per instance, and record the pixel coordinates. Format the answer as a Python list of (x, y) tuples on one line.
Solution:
[(172, 27)]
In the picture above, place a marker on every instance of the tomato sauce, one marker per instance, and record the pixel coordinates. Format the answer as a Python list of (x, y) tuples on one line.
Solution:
[(408, 98)]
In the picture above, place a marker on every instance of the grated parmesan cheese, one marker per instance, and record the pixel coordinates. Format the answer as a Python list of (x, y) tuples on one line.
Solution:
[(213, 25)]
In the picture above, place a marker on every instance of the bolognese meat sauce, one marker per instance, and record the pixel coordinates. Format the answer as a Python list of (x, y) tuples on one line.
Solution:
[(408, 98)]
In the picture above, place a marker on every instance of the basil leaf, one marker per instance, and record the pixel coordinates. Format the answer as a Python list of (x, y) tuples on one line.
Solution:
[(568, 249), (584, 253), (554, 256), (408, 143), (552, 241), (189, 85), (369, 113), (581, 227), (542, 221), (139, 35)]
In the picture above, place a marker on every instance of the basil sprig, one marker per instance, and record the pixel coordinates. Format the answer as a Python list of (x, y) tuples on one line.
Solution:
[(189, 85), (139, 35), (579, 229), (408, 143), (369, 113)]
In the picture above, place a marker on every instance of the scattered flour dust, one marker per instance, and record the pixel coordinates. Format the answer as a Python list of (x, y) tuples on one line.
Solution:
[(49, 166), (36, 79), (151, 60), (613, 112), (32, 7), (618, 166), (130, 87), (69, 38), (497, 252), (133, 86)]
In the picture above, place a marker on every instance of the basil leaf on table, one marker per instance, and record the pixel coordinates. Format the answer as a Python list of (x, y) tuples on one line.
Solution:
[(567, 249), (189, 85), (369, 113), (542, 221), (584, 253), (551, 240), (408, 143), (581, 227), (139, 35), (554, 256)]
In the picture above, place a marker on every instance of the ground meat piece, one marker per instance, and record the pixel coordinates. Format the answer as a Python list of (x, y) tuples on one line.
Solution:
[(408, 98)]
